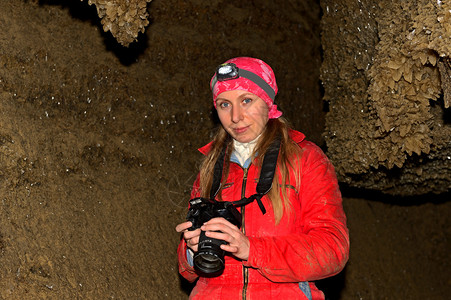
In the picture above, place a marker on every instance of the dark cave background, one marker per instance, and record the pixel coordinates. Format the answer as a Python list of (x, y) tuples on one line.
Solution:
[(98, 151)]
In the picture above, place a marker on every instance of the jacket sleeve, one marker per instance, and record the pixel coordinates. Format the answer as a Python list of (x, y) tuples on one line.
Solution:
[(321, 247), (185, 269)]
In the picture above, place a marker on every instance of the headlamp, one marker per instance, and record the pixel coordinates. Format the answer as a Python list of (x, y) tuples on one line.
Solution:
[(230, 71), (227, 71)]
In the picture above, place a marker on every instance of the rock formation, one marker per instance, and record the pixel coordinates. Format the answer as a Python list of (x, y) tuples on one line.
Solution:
[(125, 19), (386, 76)]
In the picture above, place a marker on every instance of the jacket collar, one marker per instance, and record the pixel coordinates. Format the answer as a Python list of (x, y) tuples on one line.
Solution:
[(295, 135)]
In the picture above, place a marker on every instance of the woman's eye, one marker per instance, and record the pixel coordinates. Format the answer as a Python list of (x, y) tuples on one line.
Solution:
[(224, 105), (247, 100)]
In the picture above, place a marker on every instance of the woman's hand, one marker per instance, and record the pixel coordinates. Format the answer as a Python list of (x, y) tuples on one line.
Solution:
[(191, 237), (237, 242)]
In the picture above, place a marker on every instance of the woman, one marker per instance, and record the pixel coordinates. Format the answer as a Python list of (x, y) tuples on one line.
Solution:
[(302, 237)]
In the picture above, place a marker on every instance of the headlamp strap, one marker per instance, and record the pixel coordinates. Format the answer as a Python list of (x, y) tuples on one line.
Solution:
[(237, 72)]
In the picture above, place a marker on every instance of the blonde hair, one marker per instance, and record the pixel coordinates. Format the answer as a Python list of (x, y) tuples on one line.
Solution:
[(289, 158)]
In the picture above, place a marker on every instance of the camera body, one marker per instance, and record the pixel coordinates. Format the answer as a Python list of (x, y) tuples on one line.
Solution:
[(209, 259)]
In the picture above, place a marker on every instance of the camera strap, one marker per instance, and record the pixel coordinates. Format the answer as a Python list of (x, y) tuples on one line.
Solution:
[(264, 182), (217, 173)]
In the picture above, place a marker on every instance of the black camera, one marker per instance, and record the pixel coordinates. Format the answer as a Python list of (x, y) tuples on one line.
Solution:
[(209, 259)]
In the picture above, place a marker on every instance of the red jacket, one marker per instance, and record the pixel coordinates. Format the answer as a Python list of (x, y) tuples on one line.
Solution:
[(283, 260)]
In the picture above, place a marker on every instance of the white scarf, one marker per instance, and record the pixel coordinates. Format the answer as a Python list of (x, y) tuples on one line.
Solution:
[(243, 151)]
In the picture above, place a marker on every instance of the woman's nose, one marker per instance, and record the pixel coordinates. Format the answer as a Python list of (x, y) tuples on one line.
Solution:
[(237, 114)]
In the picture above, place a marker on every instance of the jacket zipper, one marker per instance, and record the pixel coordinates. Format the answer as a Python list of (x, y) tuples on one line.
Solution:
[(243, 229)]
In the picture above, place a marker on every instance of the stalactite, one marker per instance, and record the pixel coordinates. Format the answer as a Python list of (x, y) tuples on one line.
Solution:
[(125, 19)]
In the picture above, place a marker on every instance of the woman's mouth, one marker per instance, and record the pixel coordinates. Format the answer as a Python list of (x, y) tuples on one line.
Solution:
[(240, 130)]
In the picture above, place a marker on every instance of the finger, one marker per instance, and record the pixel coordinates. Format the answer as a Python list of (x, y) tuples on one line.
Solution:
[(219, 236), (219, 221), (223, 227), (191, 234), (193, 247), (194, 240), (183, 226), (192, 243), (228, 248)]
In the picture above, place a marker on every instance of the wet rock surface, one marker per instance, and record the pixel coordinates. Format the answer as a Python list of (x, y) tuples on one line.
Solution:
[(389, 124), (97, 146)]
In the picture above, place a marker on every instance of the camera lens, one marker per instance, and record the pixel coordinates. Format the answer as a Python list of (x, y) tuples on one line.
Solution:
[(208, 263), (209, 258)]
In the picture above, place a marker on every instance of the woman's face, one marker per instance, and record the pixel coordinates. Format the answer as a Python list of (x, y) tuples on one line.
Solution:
[(242, 114)]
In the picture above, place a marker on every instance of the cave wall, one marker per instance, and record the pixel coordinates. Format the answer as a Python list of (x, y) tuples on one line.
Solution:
[(386, 75), (98, 141)]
